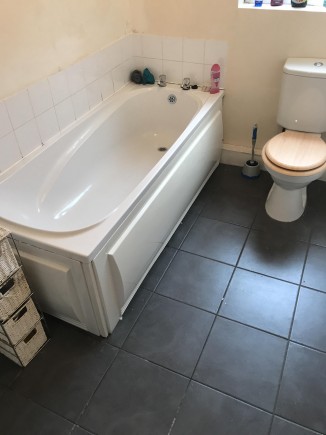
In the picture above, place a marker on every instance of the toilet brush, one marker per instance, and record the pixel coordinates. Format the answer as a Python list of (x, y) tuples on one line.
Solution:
[(251, 167)]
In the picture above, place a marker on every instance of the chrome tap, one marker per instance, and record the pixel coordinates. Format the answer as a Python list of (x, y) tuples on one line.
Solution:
[(185, 84), (161, 80)]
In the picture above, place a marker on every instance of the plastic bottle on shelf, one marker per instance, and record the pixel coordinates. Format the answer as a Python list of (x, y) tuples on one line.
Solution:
[(276, 2), (298, 3)]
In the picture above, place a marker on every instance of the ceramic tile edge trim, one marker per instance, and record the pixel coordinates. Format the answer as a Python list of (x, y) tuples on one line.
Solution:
[(55, 102)]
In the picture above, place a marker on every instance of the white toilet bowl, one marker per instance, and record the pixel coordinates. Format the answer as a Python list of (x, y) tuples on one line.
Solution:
[(294, 159)]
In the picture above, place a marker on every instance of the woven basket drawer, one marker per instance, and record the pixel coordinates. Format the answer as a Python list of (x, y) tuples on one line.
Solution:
[(8, 262), (12, 294), (27, 348), (21, 322)]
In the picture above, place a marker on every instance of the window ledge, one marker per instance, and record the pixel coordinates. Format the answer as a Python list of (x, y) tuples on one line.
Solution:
[(268, 7)]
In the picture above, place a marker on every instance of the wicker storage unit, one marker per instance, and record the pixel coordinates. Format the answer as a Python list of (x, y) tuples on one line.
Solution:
[(13, 293), (20, 323), (27, 348), (21, 330), (8, 262)]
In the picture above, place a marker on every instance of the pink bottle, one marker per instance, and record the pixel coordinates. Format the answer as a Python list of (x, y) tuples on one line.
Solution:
[(215, 79)]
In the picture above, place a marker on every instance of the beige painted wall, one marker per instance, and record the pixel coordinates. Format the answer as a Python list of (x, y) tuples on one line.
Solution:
[(40, 37), (259, 42)]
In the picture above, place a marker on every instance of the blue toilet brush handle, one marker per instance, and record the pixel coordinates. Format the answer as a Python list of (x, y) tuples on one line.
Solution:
[(253, 142)]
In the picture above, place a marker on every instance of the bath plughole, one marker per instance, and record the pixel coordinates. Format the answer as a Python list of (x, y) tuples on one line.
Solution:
[(91, 212)]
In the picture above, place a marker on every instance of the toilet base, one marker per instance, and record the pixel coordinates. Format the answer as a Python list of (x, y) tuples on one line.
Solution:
[(286, 205)]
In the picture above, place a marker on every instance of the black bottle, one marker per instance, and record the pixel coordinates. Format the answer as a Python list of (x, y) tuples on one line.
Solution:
[(298, 3)]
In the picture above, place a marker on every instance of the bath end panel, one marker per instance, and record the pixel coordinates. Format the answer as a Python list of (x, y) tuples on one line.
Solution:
[(59, 286)]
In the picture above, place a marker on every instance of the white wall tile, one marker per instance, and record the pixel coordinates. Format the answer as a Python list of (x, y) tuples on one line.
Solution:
[(154, 65), (94, 94), (194, 71), (106, 85), (215, 51), (47, 124), (40, 96), (116, 53), (91, 68), (28, 137), (121, 75), (65, 113), (104, 61), (75, 77), (137, 49), (5, 124), (19, 108), (193, 50), (137, 63), (80, 103), (9, 151), (59, 87), (173, 71), (172, 48), (127, 47), (152, 46)]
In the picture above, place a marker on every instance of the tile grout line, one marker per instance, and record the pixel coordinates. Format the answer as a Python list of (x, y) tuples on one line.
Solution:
[(289, 339)]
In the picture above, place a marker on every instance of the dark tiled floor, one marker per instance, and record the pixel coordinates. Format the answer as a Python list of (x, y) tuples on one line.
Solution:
[(226, 336)]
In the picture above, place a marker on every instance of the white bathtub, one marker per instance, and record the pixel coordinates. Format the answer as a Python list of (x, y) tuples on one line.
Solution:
[(92, 210)]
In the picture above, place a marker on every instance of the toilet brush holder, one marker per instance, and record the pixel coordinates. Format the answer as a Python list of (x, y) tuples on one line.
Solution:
[(251, 168)]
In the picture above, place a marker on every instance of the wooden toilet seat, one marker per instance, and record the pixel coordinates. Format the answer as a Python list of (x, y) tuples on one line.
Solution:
[(296, 151)]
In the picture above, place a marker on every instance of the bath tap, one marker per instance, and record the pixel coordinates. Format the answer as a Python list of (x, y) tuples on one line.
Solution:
[(161, 80), (185, 84)]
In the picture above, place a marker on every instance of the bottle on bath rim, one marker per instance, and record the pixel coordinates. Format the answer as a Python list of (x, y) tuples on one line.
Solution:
[(215, 79), (276, 2), (298, 3)]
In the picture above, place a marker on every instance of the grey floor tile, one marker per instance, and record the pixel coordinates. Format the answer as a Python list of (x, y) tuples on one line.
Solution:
[(283, 427), (302, 395), (216, 240), (70, 368), (318, 236), (136, 397), (8, 371), (158, 269), (170, 333), (315, 191), (274, 255), (129, 318), (231, 178), (196, 281), (232, 207), (21, 416), (309, 322), (259, 301), (243, 362), (315, 272), (209, 412), (298, 230), (77, 430), (182, 230)]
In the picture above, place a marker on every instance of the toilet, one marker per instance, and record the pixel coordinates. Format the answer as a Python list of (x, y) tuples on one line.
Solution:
[(297, 156)]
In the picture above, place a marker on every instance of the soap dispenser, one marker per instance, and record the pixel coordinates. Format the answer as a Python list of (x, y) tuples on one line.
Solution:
[(215, 79)]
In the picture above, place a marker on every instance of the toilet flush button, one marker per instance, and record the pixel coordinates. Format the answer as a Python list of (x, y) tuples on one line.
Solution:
[(318, 64)]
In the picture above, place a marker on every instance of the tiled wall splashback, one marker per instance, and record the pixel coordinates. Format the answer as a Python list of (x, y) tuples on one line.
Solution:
[(43, 110)]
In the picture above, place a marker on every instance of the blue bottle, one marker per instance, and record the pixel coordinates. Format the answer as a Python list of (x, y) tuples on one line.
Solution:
[(258, 3)]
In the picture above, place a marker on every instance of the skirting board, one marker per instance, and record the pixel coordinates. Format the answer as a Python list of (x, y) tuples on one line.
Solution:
[(238, 155)]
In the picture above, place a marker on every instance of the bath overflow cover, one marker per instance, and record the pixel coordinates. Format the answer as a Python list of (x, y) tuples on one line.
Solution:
[(172, 99)]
